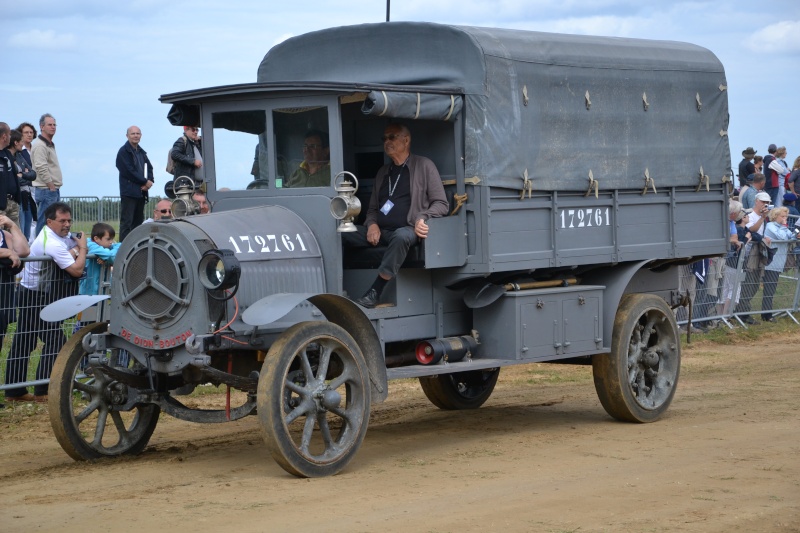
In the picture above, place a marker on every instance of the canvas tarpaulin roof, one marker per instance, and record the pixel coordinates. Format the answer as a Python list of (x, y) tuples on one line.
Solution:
[(555, 105)]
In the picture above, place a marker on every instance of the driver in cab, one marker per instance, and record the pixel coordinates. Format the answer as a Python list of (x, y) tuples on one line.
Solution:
[(315, 170)]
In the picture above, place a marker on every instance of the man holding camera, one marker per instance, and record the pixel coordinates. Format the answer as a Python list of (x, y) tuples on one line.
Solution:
[(44, 282), (754, 270)]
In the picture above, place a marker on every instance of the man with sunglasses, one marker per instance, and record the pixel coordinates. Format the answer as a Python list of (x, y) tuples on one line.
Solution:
[(162, 211), (407, 192), (135, 179), (42, 283), (187, 156)]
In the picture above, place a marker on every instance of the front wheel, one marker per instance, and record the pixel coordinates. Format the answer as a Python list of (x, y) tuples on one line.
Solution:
[(314, 399), (637, 380), (86, 412), (460, 390)]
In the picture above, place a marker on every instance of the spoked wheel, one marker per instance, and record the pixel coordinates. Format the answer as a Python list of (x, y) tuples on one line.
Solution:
[(314, 399), (460, 390), (637, 380), (85, 411)]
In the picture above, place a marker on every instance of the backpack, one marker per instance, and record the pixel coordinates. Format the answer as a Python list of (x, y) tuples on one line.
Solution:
[(170, 162)]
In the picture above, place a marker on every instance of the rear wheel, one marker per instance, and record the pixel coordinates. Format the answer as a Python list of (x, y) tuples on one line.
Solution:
[(313, 399), (460, 390), (88, 413), (637, 380)]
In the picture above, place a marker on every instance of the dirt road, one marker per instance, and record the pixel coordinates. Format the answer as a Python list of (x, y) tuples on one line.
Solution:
[(541, 455)]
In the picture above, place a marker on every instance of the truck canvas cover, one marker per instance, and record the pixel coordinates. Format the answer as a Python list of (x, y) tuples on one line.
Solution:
[(553, 106)]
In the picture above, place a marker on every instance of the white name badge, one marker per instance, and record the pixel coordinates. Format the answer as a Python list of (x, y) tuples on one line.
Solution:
[(387, 207)]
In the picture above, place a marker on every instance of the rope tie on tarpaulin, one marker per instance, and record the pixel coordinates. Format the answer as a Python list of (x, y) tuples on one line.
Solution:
[(460, 199)]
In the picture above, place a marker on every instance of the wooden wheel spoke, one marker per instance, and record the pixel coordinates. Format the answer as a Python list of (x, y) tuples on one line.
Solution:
[(308, 432), (93, 406), (100, 428)]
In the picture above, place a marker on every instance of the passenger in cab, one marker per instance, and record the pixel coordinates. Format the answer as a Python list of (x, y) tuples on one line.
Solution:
[(315, 170), (407, 192)]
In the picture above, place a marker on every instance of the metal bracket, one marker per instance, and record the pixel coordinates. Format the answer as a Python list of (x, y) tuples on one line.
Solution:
[(723, 87), (593, 184), (703, 180), (474, 180), (728, 182), (648, 183), (588, 100), (645, 102), (527, 186), (524, 95), (723, 133), (699, 103)]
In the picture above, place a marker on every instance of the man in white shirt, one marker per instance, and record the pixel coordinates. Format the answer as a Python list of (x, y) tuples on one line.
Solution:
[(44, 282)]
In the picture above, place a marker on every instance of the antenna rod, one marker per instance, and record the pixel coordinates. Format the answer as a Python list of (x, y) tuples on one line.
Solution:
[(388, 2)]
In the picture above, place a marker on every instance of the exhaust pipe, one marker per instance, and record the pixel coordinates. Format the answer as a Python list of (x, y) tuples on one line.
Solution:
[(451, 349)]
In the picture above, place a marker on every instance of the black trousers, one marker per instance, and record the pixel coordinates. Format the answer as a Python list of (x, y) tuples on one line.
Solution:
[(131, 215), (31, 328)]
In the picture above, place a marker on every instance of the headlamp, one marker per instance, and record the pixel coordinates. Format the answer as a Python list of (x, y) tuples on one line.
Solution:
[(219, 270)]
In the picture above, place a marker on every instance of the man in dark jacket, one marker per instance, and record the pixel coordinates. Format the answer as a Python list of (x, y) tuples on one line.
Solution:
[(9, 186), (135, 179), (746, 166), (187, 157)]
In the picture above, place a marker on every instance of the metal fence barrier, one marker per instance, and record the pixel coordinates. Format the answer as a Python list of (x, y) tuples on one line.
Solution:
[(86, 210), (30, 345), (740, 290)]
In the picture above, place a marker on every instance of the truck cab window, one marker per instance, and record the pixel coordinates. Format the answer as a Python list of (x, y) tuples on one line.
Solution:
[(240, 149), (302, 147)]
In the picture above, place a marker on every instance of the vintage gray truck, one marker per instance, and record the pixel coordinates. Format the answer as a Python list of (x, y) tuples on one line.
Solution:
[(581, 171)]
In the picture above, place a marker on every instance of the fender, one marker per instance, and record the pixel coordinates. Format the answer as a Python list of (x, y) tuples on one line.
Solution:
[(337, 310), (616, 280), (70, 306), (270, 308)]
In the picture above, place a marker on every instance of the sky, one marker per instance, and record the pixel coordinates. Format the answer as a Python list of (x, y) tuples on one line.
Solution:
[(99, 66)]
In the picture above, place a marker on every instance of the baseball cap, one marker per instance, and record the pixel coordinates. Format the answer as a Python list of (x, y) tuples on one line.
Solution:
[(764, 197)]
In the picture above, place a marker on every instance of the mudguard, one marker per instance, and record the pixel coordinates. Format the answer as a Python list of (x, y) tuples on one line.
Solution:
[(70, 306), (272, 307)]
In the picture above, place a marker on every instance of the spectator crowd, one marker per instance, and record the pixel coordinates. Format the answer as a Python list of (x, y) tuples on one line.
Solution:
[(34, 221), (762, 219)]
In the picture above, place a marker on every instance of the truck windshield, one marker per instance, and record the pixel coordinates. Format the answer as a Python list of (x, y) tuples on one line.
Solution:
[(301, 142), (236, 135), (241, 154)]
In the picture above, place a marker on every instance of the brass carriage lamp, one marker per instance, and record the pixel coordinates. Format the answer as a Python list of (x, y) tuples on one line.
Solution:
[(345, 206)]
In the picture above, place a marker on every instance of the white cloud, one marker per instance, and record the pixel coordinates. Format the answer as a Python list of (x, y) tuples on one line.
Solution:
[(42, 40), (779, 37)]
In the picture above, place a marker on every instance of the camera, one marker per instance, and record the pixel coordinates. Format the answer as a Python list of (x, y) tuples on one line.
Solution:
[(770, 207), (78, 235)]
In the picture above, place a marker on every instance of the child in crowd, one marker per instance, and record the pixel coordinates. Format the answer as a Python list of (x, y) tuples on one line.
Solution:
[(103, 246)]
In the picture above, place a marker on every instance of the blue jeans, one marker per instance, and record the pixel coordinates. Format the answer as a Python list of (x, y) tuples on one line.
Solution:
[(25, 221), (44, 198)]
